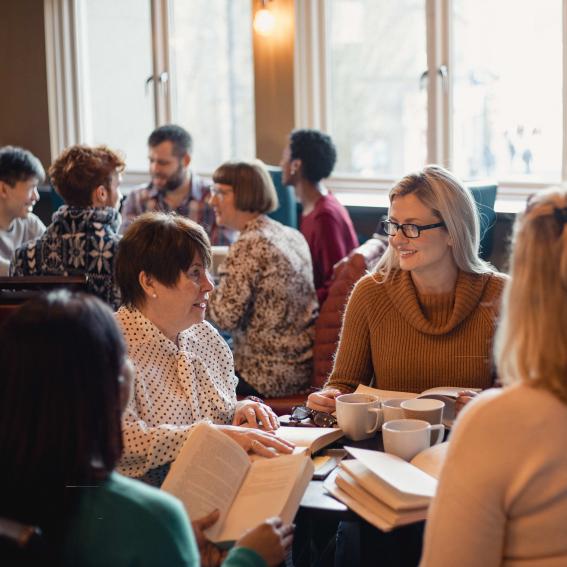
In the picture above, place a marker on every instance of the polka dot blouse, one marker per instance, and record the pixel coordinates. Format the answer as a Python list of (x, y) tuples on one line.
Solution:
[(174, 388)]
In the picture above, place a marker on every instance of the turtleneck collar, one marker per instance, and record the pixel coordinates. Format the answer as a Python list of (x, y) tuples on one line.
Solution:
[(431, 314)]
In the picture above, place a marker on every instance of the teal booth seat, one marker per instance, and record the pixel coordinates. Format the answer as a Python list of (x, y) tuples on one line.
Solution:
[(288, 211), (49, 202), (485, 196)]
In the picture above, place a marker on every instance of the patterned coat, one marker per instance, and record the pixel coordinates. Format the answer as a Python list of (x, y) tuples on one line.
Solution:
[(266, 299), (78, 241)]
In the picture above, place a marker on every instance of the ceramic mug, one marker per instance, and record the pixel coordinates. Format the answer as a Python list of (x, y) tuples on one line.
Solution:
[(408, 437), (392, 408), (423, 408), (359, 415)]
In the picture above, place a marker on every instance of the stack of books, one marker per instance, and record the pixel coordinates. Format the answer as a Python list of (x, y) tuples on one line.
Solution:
[(385, 490)]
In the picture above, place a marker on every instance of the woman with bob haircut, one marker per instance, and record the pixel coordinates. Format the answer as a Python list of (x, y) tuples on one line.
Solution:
[(265, 295), (426, 317), (57, 471), (184, 369), (510, 506)]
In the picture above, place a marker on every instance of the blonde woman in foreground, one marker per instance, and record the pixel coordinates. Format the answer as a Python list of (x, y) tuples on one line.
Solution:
[(502, 497)]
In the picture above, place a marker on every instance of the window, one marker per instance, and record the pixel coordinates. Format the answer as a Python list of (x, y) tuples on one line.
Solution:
[(377, 108), (119, 69), (117, 106), (475, 85), (212, 78), (507, 85)]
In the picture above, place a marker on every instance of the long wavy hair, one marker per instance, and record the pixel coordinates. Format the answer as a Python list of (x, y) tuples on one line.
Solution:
[(451, 202), (531, 341)]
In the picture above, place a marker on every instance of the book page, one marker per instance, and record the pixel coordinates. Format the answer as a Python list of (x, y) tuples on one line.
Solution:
[(313, 437), (265, 493), (381, 490), (383, 394), (449, 391), (394, 518), (207, 474), (396, 472), (431, 460), (356, 506)]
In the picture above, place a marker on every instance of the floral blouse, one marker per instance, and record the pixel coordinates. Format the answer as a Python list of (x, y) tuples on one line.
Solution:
[(266, 299), (174, 388)]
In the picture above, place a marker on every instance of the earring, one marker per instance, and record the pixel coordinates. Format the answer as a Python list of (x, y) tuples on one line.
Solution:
[(154, 295)]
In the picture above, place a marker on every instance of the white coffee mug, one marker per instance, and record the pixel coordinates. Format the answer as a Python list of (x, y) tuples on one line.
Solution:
[(408, 437), (392, 408), (424, 408), (359, 415)]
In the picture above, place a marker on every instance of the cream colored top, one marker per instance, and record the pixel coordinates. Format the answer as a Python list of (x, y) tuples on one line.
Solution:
[(175, 386), (502, 496)]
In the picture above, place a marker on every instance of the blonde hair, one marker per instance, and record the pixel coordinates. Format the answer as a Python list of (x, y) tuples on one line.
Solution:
[(451, 202), (531, 341)]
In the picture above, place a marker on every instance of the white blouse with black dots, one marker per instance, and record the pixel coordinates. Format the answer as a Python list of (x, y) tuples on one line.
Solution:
[(174, 388)]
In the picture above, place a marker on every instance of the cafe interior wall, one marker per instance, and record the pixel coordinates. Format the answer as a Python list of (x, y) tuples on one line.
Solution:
[(24, 118)]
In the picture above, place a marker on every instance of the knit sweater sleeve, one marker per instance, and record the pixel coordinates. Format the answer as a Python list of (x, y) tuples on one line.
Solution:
[(353, 363)]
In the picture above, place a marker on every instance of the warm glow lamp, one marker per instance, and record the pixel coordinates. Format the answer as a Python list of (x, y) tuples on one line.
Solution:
[(264, 20)]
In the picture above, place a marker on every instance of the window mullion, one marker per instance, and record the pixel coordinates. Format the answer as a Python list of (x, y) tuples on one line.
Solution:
[(564, 98), (311, 65), (438, 85), (160, 10)]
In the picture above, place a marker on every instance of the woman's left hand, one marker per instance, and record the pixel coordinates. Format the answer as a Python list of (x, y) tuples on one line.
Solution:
[(255, 414), (463, 399)]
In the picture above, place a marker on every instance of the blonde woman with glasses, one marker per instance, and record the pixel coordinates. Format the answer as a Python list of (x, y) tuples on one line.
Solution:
[(426, 316), (509, 507)]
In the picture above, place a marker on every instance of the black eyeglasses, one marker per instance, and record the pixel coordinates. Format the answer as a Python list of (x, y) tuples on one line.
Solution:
[(409, 230), (319, 418)]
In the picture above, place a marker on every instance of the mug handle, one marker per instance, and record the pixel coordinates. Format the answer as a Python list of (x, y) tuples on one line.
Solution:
[(437, 427), (379, 419)]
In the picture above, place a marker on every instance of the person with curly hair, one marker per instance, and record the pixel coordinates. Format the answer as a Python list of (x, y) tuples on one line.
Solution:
[(83, 236), (309, 158)]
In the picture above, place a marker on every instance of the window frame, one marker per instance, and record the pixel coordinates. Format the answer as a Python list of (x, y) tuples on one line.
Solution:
[(312, 87)]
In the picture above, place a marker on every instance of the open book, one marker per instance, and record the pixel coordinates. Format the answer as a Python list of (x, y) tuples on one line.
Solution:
[(309, 439), (447, 394), (386, 490), (213, 472)]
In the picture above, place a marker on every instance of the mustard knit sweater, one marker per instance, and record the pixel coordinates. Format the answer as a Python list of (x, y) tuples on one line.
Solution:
[(411, 342)]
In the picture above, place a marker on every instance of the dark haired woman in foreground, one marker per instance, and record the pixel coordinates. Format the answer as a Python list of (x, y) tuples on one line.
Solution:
[(65, 380)]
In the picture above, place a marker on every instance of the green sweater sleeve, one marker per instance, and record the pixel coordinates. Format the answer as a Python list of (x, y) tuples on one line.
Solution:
[(243, 557)]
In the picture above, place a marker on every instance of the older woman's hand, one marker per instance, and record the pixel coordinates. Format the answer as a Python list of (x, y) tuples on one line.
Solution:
[(257, 441), (255, 414), (324, 400)]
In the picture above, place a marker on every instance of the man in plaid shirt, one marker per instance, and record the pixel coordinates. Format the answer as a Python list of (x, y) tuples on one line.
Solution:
[(174, 187)]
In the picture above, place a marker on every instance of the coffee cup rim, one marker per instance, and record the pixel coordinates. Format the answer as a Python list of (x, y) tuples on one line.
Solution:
[(419, 425), (438, 404), (374, 400)]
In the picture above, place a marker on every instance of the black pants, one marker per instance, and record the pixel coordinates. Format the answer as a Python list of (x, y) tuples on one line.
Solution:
[(359, 543)]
